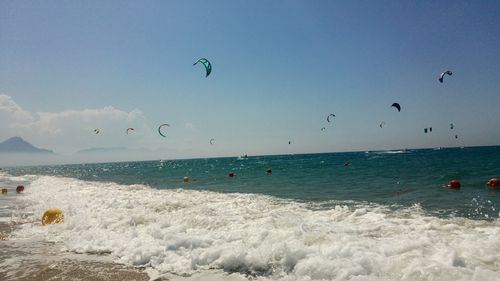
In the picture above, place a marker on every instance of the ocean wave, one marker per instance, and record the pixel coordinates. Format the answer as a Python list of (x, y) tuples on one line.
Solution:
[(184, 231), (391, 152)]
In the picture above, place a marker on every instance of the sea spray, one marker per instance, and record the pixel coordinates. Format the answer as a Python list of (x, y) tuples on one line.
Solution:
[(186, 231)]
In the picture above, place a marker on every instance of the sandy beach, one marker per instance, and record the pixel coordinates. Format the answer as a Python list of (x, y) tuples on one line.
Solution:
[(34, 259), (39, 261), (31, 260)]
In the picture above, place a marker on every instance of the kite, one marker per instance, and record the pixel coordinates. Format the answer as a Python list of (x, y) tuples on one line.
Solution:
[(397, 106), (206, 63), (328, 117), (161, 126), (441, 76)]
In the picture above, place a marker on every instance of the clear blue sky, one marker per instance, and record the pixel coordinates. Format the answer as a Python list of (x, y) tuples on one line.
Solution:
[(279, 68)]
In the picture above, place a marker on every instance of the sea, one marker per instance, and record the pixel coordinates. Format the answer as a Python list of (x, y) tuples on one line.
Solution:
[(370, 215)]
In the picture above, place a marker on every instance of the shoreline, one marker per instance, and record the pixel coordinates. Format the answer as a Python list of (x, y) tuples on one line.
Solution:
[(29, 259), (24, 259)]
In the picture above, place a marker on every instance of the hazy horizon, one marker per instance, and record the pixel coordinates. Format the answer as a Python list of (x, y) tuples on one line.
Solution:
[(101, 155)]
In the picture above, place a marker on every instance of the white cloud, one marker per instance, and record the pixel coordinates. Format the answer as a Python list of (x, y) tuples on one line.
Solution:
[(11, 112), (70, 130), (56, 123)]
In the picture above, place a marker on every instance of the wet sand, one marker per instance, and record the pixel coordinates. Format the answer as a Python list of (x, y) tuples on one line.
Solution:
[(4, 231), (38, 260), (71, 270), (23, 259)]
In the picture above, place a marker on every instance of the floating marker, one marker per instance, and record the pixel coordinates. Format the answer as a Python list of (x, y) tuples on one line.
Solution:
[(454, 184), (52, 215)]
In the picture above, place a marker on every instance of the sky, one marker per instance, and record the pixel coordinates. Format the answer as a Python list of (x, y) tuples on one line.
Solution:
[(279, 69)]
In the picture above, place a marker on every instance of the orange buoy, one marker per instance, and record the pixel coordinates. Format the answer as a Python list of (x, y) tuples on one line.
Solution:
[(232, 174), (454, 184), (20, 188), (185, 179), (493, 182), (269, 171), (52, 215)]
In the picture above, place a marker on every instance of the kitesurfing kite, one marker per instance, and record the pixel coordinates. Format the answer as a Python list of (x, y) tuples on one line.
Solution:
[(397, 106), (206, 63), (441, 76), (328, 117), (130, 130), (97, 131), (212, 141), (161, 126)]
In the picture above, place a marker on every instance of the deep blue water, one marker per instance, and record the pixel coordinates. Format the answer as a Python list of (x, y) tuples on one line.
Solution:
[(398, 179)]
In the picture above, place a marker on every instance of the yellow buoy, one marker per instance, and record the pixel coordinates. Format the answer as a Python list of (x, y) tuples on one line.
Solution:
[(4, 190), (185, 179), (52, 215)]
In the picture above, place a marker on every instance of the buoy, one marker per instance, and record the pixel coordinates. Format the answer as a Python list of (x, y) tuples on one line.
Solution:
[(185, 179), (4, 190), (52, 215), (269, 171), (232, 174), (454, 184), (493, 182), (20, 188)]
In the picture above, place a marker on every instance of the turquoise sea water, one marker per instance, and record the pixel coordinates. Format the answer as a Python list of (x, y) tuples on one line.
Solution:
[(388, 215), (396, 179)]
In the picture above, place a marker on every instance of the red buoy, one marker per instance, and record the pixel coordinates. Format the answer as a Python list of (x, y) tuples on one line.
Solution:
[(20, 188), (493, 182), (269, 171), (454, 184), (232, 174)]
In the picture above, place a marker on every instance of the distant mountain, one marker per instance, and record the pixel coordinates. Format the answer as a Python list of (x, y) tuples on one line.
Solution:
[(18, 145), (101, 150)]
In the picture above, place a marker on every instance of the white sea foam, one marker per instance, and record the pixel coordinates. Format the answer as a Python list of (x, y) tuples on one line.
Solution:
[(391, 152), (184, 232)]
